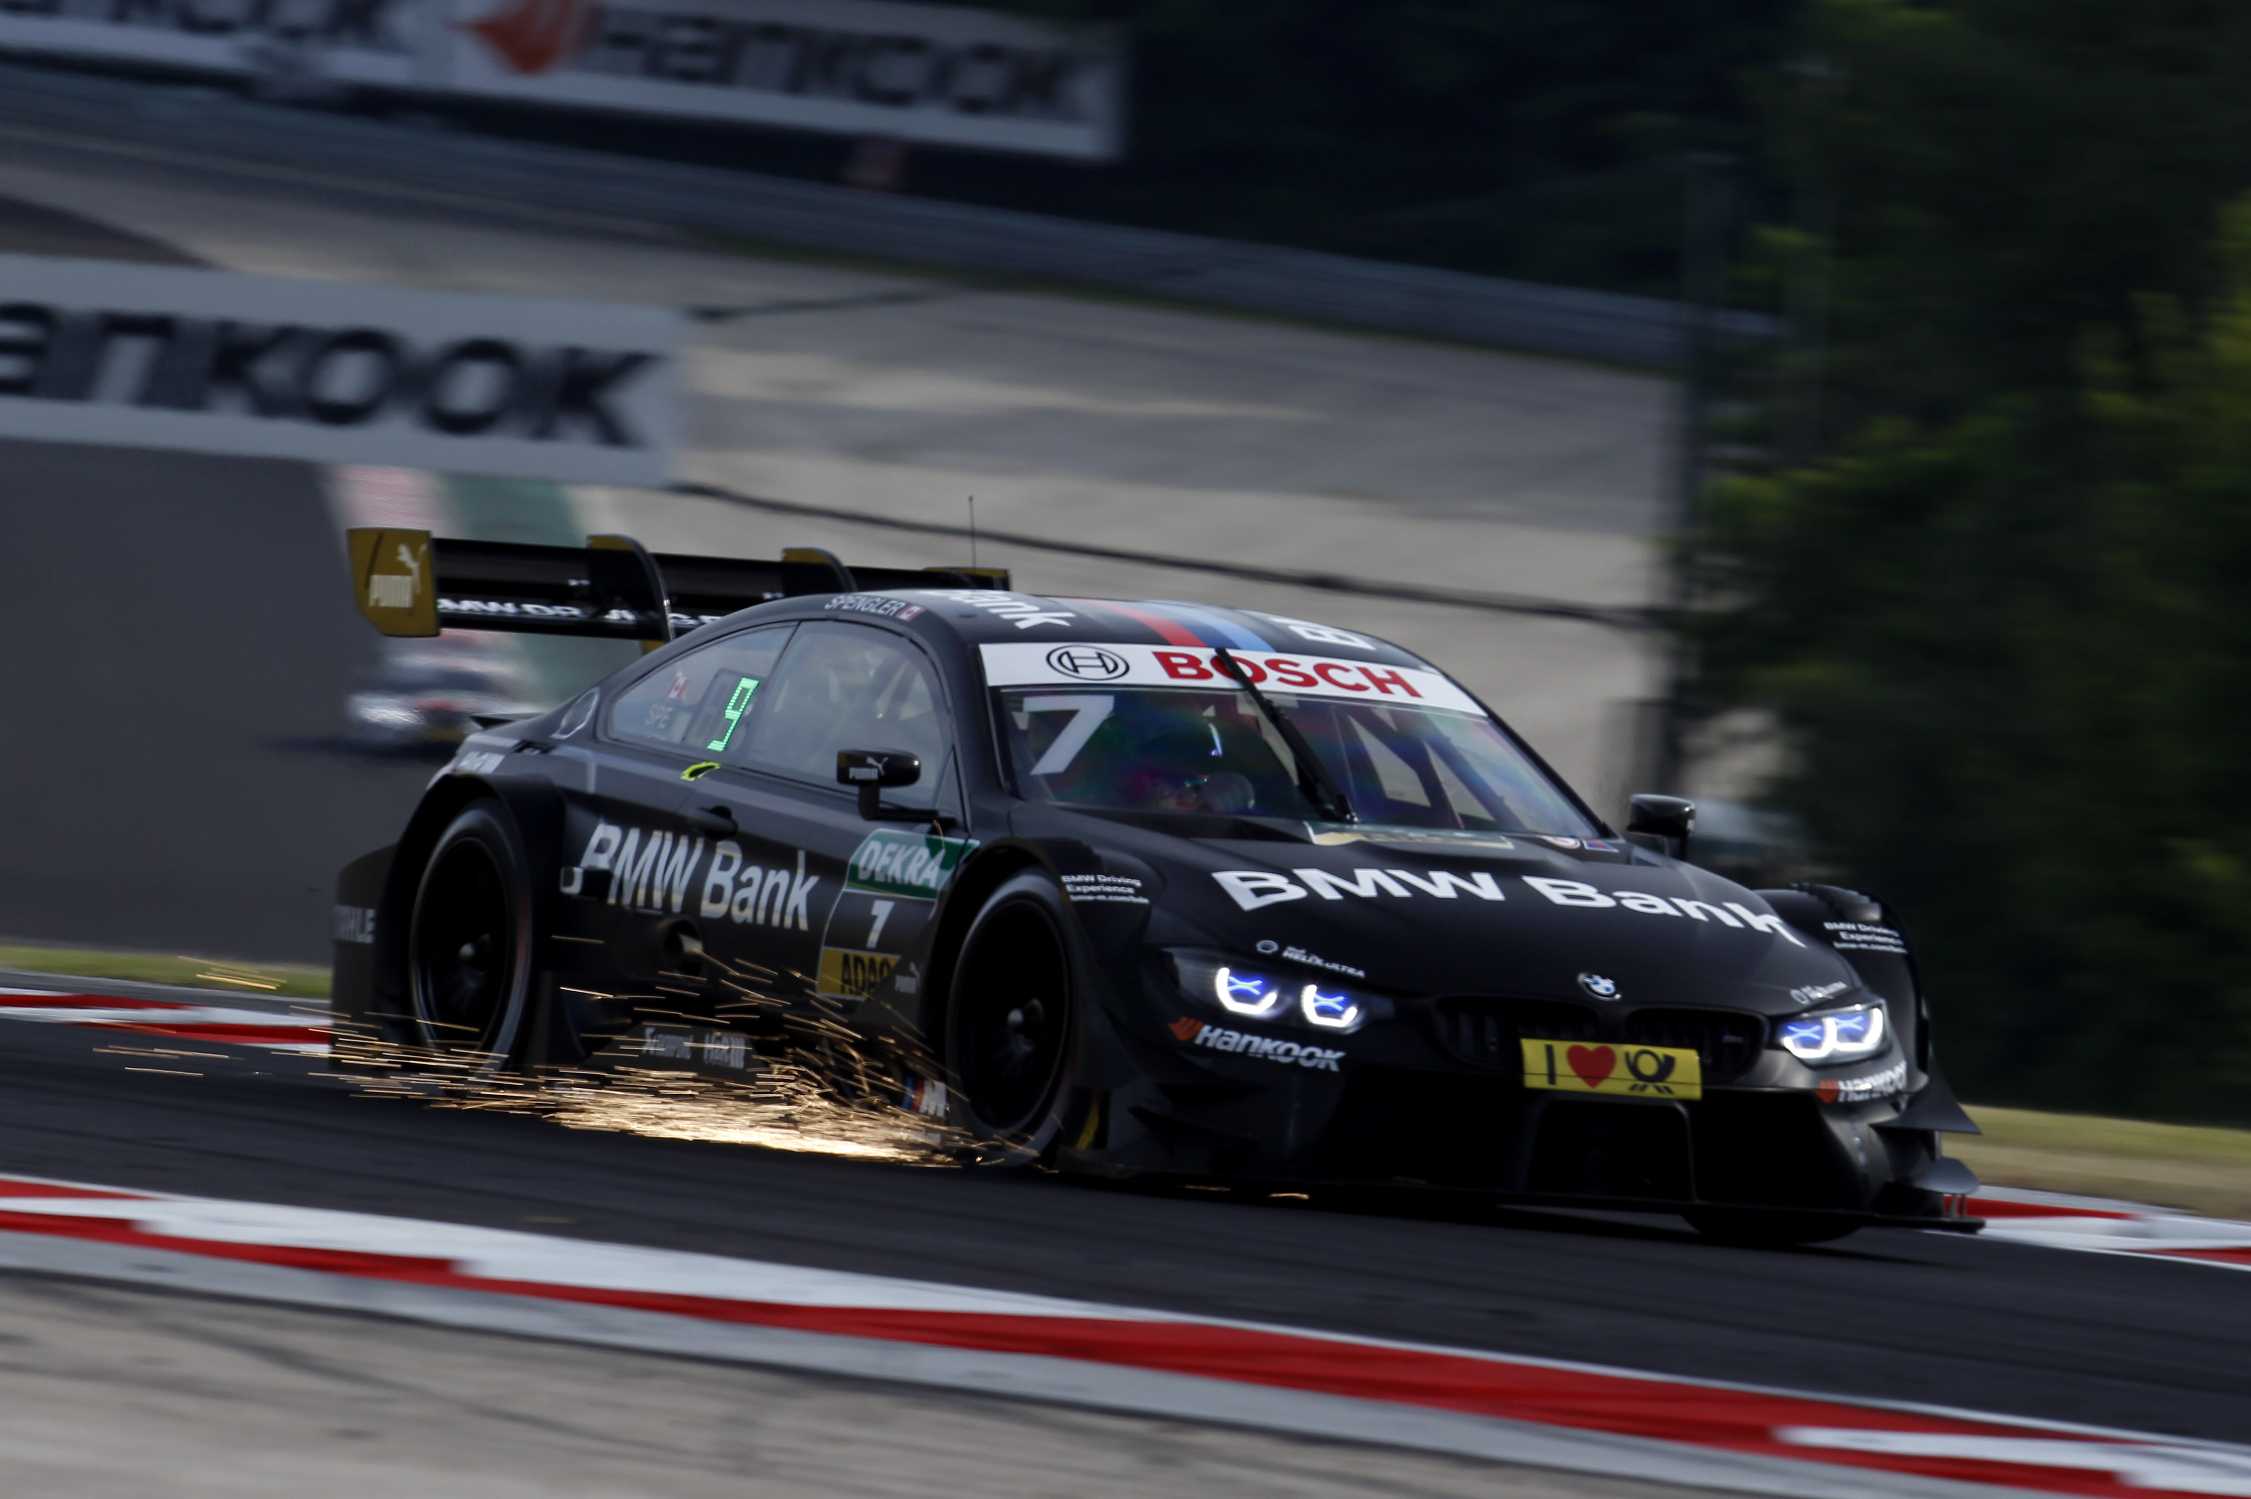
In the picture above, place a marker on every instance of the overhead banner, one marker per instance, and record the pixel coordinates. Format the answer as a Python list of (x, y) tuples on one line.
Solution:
[(941, 75), (335, 372), (858, 67), (376, 42)]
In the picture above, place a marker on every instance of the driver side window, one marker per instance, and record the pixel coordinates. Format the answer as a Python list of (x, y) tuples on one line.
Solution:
[(700, 705), (848, 686)]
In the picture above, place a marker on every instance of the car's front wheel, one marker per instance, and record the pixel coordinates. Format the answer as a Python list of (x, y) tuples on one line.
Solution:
[(469, 942), (1012, 1017)]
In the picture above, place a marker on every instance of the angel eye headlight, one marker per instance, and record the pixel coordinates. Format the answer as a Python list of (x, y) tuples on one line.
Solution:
[(1331, 1012), (1241, 993), (1833, 1034), (1275, 996)]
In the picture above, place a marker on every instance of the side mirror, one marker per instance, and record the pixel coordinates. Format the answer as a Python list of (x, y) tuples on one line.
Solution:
[(870, 771), (1667, 817)]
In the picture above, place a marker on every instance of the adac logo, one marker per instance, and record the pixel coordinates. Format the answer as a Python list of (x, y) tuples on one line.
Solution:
[(535, 36)]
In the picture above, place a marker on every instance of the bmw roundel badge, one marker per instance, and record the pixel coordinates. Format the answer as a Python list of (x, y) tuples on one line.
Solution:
[(1598, 986)]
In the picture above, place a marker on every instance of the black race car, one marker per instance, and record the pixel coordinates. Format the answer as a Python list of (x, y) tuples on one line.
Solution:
[(1134, 888)]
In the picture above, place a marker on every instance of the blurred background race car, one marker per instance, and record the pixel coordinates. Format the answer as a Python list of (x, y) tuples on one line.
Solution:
[(432, 698)]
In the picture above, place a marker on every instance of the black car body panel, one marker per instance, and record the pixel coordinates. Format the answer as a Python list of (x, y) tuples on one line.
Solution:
[(1565, 1015)]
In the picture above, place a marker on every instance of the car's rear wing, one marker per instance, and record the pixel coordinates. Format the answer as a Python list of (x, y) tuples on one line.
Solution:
[(408, 583)]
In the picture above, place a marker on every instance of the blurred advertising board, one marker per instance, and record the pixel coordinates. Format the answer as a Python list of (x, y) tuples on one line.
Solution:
[(333, 372), (936, 75), (858, 67), (381, 43)]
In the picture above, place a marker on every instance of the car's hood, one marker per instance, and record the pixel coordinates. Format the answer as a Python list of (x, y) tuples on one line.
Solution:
[(1419, 912)]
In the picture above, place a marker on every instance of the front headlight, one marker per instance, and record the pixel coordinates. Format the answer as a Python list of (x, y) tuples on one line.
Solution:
[(1834, 1035), (1330, 1012), (1249, 994), (1265, 992)]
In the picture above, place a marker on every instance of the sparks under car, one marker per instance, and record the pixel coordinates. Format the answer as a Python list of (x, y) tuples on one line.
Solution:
[(1133, 888)]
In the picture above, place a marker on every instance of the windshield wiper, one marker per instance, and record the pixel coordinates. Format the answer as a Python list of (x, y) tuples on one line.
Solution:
[(1312, 777)]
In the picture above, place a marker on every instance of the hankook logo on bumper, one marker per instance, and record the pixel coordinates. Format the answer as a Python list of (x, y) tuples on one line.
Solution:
[(1862, 1089), (1265, 1048)]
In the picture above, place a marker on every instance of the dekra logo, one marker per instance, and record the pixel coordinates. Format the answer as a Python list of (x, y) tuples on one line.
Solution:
[(890, 861)]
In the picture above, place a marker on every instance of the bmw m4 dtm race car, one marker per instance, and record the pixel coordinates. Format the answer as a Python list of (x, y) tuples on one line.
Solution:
[(1131, 888)]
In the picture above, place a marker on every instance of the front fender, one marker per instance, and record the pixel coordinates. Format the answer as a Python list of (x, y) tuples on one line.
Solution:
[(1859, 929)]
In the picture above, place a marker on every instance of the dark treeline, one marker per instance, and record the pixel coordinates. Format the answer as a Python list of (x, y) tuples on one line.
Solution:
[(1543, 139), (1997, 592)]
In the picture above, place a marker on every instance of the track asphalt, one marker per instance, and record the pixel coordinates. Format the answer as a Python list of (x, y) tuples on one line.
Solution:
[(2007, 1328)]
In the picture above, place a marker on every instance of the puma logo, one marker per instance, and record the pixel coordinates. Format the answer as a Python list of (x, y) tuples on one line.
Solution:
[(396, 590)]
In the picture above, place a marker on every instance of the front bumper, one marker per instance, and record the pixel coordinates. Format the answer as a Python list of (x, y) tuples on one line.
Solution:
[(1409, 1106)]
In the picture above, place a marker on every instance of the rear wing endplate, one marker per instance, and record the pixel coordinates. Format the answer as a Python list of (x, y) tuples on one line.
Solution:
[(409, 583)]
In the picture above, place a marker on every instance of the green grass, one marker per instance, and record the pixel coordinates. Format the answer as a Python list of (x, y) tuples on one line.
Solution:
[(290, 980), (2196, 1167), (2203, 1169)]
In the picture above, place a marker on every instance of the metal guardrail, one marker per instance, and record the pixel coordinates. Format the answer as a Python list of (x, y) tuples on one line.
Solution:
[(1610, 616), (221, 127)]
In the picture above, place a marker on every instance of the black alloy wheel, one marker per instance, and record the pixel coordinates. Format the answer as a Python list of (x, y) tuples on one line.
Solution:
[(1010, 1016), (468, 945)]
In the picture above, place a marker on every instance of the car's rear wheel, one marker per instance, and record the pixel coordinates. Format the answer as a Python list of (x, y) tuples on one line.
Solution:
[(1754, 1229), (469, 942), (1012, 1019)]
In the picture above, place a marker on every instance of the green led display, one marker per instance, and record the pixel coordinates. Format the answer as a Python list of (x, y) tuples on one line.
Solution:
[(738, 703)]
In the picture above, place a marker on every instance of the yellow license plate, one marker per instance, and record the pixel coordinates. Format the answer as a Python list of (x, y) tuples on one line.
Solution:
[(1615, 1071)]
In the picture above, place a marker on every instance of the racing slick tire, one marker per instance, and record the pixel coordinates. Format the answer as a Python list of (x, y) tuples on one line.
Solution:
[(1012, 1019), (469, 943), (1752, 1229)]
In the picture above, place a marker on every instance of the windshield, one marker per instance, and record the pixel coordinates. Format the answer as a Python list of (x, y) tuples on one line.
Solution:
[(1162, 749)]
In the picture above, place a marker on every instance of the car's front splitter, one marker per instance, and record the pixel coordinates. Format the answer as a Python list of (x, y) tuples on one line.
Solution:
[(1248, 1117)]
